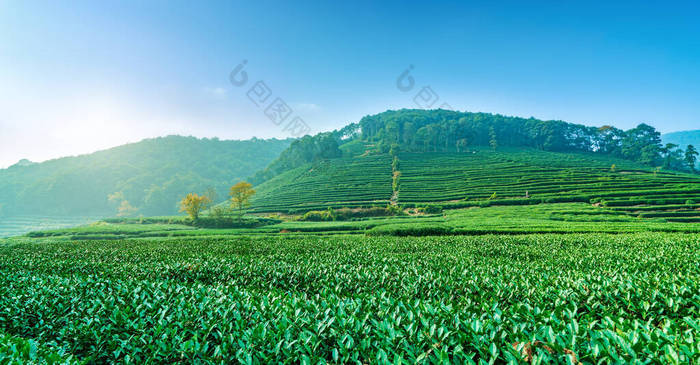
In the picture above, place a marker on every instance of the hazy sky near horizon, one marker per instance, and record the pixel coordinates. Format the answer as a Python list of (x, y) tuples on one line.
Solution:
[(80, 76)]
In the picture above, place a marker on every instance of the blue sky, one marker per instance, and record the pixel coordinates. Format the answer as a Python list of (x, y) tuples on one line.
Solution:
[(85, 75)]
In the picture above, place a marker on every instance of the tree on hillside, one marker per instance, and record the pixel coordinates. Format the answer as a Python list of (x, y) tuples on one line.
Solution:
[(609, 140), (422, 138), (642, 144), (409, 134), (691, 157), (395, 149), (462, 144), (327, 147), (193, 204), (240, 196), (493, 141), (433, 135), (669, 152), (392, 132), (349, 132)]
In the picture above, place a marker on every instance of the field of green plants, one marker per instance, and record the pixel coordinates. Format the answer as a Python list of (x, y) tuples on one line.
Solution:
[(483, 177), (516, 219), (338, 299), (530, 177), (338, 182), (486, 257)]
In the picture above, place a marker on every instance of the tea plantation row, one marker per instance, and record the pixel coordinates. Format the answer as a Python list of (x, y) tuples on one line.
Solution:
[(564, 298), (339, 182), (484, 177)]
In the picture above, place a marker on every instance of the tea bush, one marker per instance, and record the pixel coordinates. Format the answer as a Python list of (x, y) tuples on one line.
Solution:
[(345, 299)]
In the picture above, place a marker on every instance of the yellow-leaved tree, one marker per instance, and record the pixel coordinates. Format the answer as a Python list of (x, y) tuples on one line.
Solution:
[(193, 204), (240, 197)]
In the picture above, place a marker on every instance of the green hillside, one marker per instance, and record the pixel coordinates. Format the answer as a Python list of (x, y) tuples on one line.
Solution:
[(338, 182), (483, 177), (412, 158), (151, 175), (429, 131)]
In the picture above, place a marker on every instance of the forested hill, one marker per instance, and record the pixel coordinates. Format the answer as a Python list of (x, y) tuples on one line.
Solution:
[(446, 131), (148, 177)]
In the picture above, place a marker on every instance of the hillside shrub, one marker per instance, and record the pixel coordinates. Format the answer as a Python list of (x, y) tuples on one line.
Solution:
[(412, 230), (430, 209), (232, 222), (345, 214), (148, 220)]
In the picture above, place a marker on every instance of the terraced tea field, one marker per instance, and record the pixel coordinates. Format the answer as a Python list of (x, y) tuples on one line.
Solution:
[(478, 175), (511, 220), (442, 177), (347, 299), (484, 177), (338, 182)]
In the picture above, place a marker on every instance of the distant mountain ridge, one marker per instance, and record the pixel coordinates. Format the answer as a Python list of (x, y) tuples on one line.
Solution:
[(683, 138), (23, 162), (151, 176)]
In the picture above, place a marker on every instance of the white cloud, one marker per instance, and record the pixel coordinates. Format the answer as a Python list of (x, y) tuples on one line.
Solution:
[(305, 107), (218, 93)]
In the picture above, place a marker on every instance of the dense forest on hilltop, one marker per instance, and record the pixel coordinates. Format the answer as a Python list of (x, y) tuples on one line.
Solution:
[(148, 177), (443, 130)]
